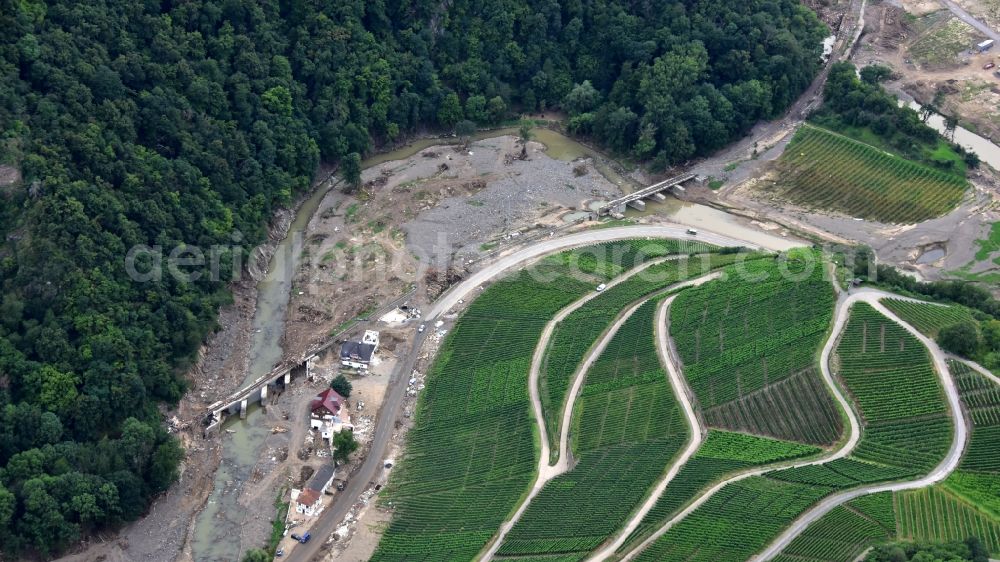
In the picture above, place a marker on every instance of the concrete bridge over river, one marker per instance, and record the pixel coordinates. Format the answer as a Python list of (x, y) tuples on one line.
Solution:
[(635, 199), (281, 376)]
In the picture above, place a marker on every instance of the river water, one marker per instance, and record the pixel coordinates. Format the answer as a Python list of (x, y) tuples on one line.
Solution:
[(217, 531), (986, 150)]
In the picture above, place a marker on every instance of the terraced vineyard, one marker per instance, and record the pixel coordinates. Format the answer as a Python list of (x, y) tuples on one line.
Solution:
[(722, 453), (471, 455), (735, 522), (824, 170), (627, 428), (926, 317), (803, 400), (936, 515), (981, 397), (749, 353), (846, 532), (748, 347), (966, 504), (889, 374), (974, 489), (578, 332)]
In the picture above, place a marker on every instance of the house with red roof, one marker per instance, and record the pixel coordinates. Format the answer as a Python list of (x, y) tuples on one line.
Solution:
[(328, 413), (306, 501)]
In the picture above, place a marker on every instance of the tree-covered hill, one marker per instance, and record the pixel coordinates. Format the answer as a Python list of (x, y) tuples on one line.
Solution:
[(182, 122)]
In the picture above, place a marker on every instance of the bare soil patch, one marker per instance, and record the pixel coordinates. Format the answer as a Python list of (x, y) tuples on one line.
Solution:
[(9, 175)]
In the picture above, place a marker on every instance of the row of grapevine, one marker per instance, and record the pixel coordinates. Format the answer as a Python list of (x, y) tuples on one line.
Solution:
[(825, 170), (796, 408), (928, 318), (977, 482), (735, 522), (978, 488), (627, 427), (981, 397), (721, 453), (847, 531), (966, 504), (578, 332), (934, 514), (741, 337), (889, 375)]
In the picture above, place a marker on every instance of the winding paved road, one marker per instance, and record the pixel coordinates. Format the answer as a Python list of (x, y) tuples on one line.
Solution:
[(595, 236)]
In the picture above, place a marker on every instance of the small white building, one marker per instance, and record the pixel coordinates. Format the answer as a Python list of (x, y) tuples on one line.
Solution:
[(329, 413), (309, 502), (358, 355)]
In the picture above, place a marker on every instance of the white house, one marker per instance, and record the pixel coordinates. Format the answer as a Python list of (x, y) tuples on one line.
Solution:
[(329, 413), (358, 355), (307, 502)]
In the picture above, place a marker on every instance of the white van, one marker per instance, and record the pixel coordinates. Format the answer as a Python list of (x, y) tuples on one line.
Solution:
[(692, 232)]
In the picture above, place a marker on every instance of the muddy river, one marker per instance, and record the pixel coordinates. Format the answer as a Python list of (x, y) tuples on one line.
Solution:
[(983, 147), (218, 526)]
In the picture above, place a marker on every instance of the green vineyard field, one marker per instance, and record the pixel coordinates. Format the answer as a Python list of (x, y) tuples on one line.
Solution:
[(740, 342), (975, 486), (579, 331), (808, 414), (934, 514), (825, 170), (981, 397), (905, 434), (749, 352), (721, 453), (471, 454), (928, 318), (966, 504), (845, 532), (628, 426)]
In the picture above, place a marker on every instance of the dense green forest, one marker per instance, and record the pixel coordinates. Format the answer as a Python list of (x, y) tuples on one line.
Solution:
[(188, 123)]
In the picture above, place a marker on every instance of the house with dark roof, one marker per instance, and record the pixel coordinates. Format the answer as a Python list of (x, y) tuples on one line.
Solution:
[(358, 354), (328, 413), (322, 479)]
